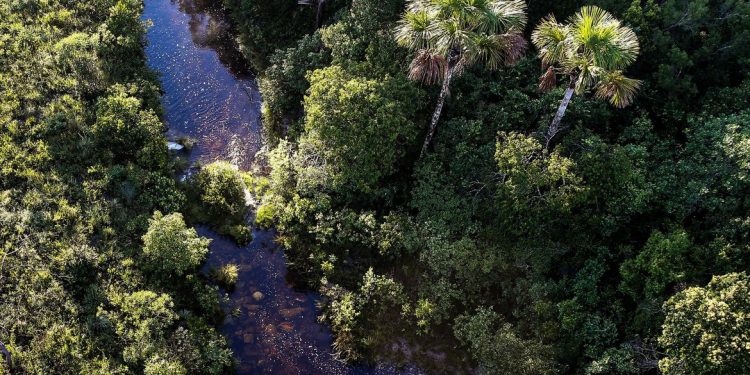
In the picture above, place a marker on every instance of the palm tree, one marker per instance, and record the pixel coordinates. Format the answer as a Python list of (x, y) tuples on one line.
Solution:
[(449, 35), (591, 50)]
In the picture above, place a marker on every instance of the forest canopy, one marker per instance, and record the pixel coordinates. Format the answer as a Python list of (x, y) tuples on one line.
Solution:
[(98, 269), (550, 187), (473, 186)]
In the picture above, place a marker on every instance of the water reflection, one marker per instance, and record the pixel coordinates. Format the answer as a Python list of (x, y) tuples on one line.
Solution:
[(210, 95), (210, 29)]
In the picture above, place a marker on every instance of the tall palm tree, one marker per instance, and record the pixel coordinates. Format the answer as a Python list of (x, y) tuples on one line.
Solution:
[(449, 35), (591, 50)]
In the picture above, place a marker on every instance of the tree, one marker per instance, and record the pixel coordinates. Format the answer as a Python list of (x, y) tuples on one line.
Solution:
[(359, 126), (170, 246), (7, 359), (222, 191), (141, 320), (536, 185), (266, 26), (283, 83), (82, 139), (160, 366), (451, 35), (75, 55), (707, 329), (614, 361), (122, 38), (663, 262), (124, 130), (592, 51), (498, 348), (687, 49)]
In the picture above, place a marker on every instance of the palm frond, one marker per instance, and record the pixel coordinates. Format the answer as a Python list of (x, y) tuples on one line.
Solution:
[(620, 90), (427, 67), (448, 35), (418, 5), (483, 48), (551, 38), (603, 39), (548, 80), (495, 50), (413, 30), (500, 16), (511, 14), (462, 30), (514, 46), (460, 66)]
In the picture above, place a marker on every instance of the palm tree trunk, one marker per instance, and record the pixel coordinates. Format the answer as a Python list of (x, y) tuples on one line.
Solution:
[(438, 108), (555, 126), (319, 12)]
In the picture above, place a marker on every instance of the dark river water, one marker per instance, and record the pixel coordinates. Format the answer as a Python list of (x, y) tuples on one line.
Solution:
[(210, 96)]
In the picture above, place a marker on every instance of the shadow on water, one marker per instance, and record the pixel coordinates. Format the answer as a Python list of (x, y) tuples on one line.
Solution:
[(211, 96)]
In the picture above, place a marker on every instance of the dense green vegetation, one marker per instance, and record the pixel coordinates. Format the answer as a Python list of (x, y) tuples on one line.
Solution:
[(217, 197), (441, 196), (98, 270), (613, 241)]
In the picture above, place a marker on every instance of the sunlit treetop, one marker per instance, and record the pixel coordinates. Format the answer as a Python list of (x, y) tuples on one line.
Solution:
[(461, 32), (593, 49)]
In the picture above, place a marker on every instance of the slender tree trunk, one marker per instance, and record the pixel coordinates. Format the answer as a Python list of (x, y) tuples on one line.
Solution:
[(319, 12), (438, 108), (555, 126)]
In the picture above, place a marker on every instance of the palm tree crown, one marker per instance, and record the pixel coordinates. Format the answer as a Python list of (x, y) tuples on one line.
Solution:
[(593, 49), (461, 32)]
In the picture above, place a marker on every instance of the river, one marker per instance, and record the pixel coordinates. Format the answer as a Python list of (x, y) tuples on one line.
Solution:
[(211, 96)]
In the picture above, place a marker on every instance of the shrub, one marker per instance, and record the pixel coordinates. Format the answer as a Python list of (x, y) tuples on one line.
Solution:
[(221, 192), (226, 276), (241, 234), (171, 247), (265, 215)]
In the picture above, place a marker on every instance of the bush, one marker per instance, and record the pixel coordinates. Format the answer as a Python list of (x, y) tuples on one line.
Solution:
[(360, 127), (257, 185), (265, 216), (125, 131), (221, 192), (283, 83), (170, 247), (226, 276), (241, 233)]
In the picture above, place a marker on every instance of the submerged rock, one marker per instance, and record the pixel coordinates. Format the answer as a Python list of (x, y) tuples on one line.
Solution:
[(288, 313), (258, 296), (248, 338)]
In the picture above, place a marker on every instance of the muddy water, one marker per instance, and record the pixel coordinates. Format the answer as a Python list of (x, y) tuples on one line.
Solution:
[(210, 96)]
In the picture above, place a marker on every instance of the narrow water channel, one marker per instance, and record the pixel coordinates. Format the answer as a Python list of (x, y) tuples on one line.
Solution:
[(211, 96)]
